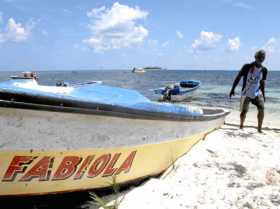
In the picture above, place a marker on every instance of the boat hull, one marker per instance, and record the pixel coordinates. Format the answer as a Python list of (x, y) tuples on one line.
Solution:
[(178, 98), (45, 152), (183, 94)]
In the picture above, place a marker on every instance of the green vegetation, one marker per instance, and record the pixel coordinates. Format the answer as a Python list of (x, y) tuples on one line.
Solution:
[(111, 204)]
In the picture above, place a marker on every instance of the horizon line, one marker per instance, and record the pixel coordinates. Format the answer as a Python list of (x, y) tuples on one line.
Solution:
[(117, 69)]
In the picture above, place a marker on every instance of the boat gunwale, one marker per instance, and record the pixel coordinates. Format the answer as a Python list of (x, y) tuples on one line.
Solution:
[(113, 111)]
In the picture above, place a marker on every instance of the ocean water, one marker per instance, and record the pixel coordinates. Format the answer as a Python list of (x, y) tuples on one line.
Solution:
[(213, 92)]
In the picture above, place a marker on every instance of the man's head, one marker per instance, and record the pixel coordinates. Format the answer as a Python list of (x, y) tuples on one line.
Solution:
[(260, 56)]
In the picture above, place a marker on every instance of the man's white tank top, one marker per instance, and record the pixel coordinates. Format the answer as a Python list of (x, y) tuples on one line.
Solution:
[(252, 88)]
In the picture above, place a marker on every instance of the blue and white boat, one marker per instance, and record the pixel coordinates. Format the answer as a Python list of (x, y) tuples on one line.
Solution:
[(80, 135), (178, 92), (76, 108)]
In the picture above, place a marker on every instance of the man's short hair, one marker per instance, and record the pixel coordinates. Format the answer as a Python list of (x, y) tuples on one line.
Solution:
[(260, 53)]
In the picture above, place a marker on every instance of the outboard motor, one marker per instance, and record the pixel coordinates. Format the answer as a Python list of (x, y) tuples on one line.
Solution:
[(169, 91), (62, 84)]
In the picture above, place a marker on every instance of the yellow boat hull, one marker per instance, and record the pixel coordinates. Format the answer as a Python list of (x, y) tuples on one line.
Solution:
[(33, 173), (52, 169)]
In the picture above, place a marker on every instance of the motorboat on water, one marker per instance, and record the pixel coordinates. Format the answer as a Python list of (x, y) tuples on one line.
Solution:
[(78, 137), (147, 69), (178, 92), (138, 70), (152, 68)]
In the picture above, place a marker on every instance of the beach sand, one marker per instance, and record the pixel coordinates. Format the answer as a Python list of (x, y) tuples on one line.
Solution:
[(231, 168)]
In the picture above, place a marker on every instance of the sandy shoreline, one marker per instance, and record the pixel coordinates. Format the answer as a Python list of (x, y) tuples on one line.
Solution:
[(232, 168)]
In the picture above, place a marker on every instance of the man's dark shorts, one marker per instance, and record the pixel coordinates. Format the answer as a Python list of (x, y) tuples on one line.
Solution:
[(257, 101)]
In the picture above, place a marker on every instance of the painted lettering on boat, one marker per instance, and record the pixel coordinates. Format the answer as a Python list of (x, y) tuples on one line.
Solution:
[(28, 168)]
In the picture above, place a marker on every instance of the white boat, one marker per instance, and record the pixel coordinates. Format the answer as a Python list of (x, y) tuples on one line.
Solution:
[(152, 68), (178, 92), (146, 69), (68, 138), (138, 70)]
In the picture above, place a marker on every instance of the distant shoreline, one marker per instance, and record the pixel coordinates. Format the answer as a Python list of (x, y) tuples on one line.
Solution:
[(69, 70)]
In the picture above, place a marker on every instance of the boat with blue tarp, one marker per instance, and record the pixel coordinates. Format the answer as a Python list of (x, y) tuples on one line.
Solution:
[(178, 92), (76, 137)]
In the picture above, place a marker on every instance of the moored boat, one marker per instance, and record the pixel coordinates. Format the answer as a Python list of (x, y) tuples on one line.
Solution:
[(138, 70), (67, 138), (147, 69), (152, 68), (178, 92)]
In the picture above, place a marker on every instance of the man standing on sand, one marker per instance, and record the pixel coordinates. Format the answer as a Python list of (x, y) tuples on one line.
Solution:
[(253, 88)]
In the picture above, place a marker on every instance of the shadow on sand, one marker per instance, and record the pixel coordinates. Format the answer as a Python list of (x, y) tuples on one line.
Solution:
[(276, 130)]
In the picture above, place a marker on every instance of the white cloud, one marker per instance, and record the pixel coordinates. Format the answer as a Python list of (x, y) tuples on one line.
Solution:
[(96, 12), (44, 32), (67, 11), (115, 27), (153, 43), (206, 41), (271, 45), (243, 5), (16, 32), (234, 44), (179, 34), (1, 17), (165, 44), (8, 1)]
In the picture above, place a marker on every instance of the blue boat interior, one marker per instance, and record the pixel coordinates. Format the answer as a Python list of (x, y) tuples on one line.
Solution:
[(189, 83), (88, 96), (183, 87)]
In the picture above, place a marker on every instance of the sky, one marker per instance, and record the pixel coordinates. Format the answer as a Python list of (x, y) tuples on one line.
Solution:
[(178, 34)]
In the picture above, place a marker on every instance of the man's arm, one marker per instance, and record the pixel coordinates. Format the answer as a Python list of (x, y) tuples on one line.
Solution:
[(236, 81), (262, 82)]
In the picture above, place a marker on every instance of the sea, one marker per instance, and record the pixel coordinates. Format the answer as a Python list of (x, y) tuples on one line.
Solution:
[(214, 91)]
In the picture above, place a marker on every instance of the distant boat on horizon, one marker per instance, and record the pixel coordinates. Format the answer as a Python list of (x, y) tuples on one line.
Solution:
[(152, 68), (138, 70), (146, 69)]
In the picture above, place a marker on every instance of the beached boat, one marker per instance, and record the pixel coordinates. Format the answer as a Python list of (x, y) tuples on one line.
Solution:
[(68, 138), (178, 92)]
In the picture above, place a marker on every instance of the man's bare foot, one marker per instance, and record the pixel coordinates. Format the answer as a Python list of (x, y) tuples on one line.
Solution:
[(260, 130), (241, 126)]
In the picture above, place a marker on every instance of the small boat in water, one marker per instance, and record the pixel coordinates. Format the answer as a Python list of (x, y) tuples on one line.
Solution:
[(69, 138), (178, 92), (138, 70), (147, 69), (152, 68)]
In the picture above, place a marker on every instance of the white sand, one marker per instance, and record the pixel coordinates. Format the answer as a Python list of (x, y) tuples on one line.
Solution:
[(232, 168)]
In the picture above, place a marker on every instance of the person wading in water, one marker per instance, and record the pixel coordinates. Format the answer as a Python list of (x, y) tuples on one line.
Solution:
[(253, 88)]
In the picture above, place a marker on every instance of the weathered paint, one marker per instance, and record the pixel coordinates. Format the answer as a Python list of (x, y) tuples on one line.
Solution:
[(42, 172)]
